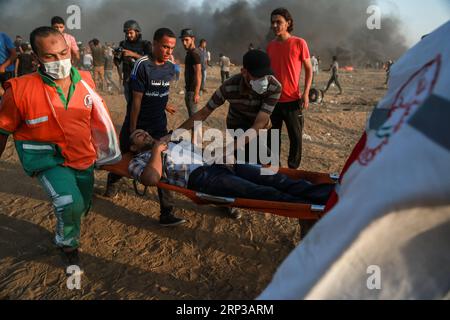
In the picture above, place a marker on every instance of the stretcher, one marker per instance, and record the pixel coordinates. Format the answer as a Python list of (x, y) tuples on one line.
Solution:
[(300, 211)]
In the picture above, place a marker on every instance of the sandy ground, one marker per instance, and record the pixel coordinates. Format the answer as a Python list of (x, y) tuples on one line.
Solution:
[(127, 255)]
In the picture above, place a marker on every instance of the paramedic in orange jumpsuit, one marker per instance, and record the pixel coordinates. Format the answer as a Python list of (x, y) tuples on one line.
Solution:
[(49, 114)]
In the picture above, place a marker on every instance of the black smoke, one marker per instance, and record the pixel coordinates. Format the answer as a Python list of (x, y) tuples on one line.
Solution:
[(330, 27)]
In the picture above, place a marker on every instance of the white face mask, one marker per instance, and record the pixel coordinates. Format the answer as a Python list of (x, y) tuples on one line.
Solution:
[(260, 86), (58, 69)]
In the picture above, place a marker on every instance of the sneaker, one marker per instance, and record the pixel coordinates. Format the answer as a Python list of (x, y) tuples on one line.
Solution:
[(169, 220), (234, 213), (112, 187), (111, 190)]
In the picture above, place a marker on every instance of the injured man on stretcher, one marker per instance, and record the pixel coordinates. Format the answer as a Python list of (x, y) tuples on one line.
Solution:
[(178, 164)]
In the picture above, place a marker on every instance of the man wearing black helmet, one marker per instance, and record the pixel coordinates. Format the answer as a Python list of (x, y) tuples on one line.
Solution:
[(130, 50)]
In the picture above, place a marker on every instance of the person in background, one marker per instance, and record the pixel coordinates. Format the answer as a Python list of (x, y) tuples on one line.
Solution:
[(58, 23), (388, 66), (98, 55), (17, 43), (224, 63), (192, 71), (204, 62), (8, 56), (25, 63), (88, 60), (109, 70), (315, 67), (334, 78), (288, 54), (209, 58), (129, 51)]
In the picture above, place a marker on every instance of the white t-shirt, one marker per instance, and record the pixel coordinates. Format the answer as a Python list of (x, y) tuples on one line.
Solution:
[(225, 64), (315, 64), (88, 60)]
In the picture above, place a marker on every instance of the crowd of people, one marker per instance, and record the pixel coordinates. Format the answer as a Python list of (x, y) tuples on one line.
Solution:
[(67, 74), (51, 103)]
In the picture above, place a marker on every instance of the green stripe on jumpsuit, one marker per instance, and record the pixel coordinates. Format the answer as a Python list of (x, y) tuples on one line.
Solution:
[(71, 192)]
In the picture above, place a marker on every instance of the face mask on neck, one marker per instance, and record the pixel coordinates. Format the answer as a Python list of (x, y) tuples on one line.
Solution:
[(58, 69), (260, 86)]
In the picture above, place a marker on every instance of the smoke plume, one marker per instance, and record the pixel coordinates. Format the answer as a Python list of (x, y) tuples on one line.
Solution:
[(329, 27)]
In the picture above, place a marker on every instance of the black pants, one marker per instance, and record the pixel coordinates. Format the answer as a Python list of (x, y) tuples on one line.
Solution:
[(246, 181), (334, 78), (291, 114), (165, 197), (224, 75)]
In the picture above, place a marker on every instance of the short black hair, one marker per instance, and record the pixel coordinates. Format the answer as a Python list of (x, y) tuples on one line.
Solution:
[(42, 32), (286, 15), (95, 42), (163, 32), (57, 20)]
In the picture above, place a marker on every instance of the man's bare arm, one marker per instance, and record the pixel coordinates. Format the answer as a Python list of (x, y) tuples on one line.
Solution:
[(153, 171), (132, 54), (200, 115), (308, 80), (262, 121), (135, 110), (11, 59), (198, 82)]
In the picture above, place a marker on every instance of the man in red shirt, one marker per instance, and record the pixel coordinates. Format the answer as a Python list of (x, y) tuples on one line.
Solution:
[(287, 54)]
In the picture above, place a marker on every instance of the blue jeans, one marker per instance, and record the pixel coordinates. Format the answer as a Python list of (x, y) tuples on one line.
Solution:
[(202, 87), (191, 106), (246, 181)]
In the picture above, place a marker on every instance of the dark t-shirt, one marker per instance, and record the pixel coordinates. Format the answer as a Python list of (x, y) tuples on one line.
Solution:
[(25, 64), (154, 82), (193, 57), (17, 44), (98, 55), (141, 47)]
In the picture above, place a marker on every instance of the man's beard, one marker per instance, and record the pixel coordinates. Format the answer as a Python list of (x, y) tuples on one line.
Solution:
[(147, 146)]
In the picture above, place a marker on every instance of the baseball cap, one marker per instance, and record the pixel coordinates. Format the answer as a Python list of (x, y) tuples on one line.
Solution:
[(187, 33), (257, 63)]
